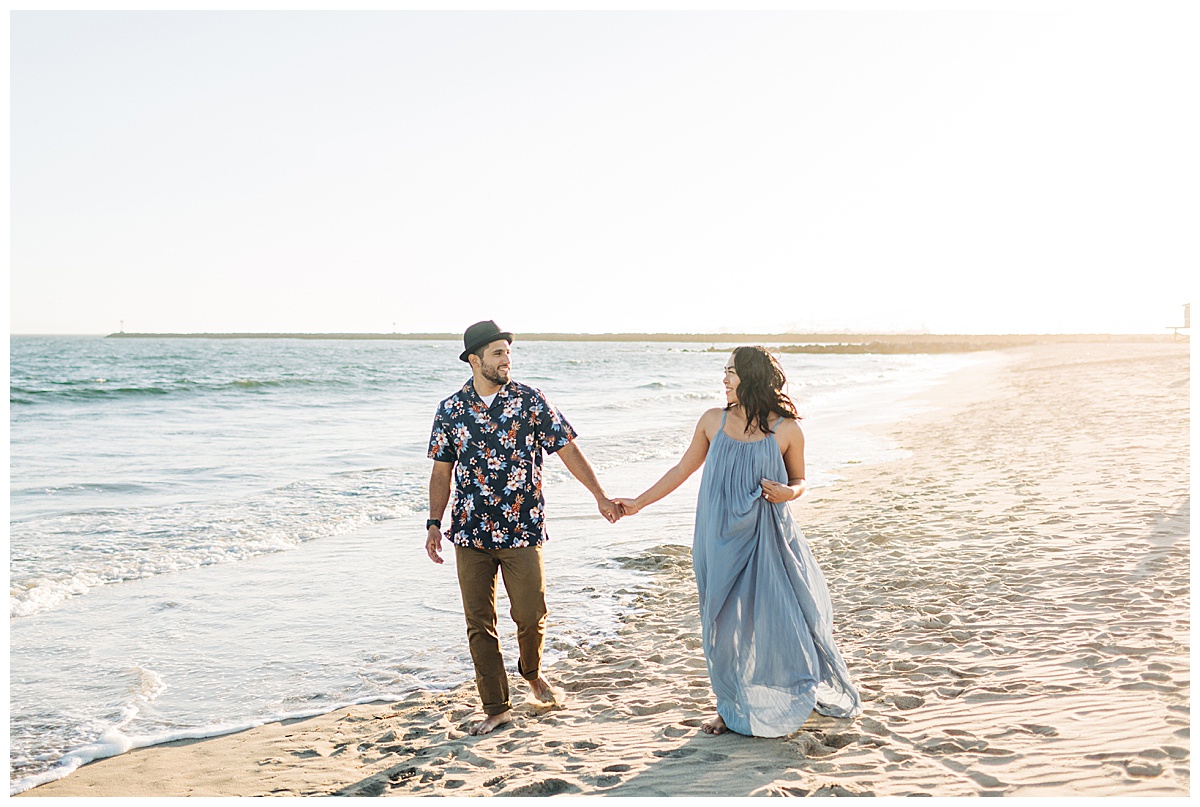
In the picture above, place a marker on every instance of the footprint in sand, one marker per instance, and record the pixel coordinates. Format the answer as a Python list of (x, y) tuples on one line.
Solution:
[(642, 710), (547, 787), (1143, 770), (810, 745), (836, 741), (675, 753), (905, 702), (872, 726)]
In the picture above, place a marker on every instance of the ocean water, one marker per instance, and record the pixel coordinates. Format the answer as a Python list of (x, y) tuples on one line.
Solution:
[(207, 535)]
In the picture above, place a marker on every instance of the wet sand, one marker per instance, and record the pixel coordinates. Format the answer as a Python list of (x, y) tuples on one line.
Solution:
[(1013, 601)]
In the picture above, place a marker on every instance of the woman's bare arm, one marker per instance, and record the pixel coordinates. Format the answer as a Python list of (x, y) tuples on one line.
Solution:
[(691, 461), (791, 442)]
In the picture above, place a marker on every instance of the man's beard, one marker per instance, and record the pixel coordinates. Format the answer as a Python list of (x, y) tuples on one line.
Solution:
[(492, 374)]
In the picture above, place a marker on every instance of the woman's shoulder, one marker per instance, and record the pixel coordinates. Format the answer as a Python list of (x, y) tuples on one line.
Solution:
[(787, 426), (710, 421)]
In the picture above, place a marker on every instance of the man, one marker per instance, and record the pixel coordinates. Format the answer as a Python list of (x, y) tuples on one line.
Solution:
[(489, 436)]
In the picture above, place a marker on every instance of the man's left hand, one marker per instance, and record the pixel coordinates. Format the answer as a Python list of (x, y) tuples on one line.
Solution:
[(433, 544)]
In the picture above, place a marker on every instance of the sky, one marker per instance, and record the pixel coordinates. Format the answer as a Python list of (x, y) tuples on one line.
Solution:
[(1003, 171)]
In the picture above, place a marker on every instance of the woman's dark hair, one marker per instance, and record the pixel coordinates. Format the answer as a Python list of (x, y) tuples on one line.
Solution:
[(760, 387)]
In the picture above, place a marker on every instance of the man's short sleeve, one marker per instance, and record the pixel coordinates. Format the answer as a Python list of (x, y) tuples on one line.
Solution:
[(441, 447), (554, 432)]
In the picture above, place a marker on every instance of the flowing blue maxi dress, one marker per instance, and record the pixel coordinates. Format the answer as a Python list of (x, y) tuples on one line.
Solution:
[(765, 615)]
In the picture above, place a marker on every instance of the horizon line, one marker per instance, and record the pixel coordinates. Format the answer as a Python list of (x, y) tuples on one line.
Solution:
[(841, 335)]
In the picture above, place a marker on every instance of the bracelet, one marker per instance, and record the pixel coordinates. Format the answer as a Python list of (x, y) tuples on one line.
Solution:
[(433, 522)]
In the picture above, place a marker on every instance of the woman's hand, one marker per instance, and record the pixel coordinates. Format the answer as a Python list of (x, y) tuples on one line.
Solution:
[(628, 506), (776, 493)]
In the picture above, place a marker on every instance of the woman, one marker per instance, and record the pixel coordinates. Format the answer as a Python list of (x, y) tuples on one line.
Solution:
[(765, 614)]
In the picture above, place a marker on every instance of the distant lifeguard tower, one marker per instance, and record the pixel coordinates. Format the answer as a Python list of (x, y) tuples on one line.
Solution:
[(1186, 326)]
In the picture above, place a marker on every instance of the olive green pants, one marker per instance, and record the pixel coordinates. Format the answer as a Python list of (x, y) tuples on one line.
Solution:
[(524, 580)]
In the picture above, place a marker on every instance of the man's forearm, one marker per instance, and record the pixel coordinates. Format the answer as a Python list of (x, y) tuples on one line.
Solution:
[(438, 499), (581, 469), (439, 493)]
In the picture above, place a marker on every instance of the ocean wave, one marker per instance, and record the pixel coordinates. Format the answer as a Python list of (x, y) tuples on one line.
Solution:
[(649, 402), (101, 389), (146, 686), (84, 487), (114, 741), (102, 547)]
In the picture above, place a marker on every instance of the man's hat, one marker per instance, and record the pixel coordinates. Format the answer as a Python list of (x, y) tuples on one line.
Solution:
[(480, 334)]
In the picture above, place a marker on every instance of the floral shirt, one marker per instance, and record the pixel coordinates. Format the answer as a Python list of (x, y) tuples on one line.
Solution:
[(498, 454)]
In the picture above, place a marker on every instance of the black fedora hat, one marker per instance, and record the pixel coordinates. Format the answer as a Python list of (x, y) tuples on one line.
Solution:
[(480, 334)]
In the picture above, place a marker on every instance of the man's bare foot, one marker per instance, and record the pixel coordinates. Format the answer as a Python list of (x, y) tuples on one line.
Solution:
[(715, 726), (492, 722), (544, 692)]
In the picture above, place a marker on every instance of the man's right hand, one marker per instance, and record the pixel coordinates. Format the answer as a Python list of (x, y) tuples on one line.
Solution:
[(609, 509), (433, 545)]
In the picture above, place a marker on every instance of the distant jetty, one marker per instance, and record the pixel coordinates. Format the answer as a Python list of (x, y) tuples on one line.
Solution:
[(783, 342)]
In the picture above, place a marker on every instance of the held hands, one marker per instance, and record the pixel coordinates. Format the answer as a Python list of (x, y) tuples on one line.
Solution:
[(628, 506), (609, 509)]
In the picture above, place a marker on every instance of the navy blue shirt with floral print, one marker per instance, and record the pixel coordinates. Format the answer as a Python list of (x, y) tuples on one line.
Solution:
[(498, 454)]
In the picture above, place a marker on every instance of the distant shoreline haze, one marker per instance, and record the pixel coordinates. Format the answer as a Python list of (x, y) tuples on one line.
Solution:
[(785, 342), (1023, 338)]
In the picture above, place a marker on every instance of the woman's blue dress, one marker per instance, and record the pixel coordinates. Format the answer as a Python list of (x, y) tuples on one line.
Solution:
[(765, 614)]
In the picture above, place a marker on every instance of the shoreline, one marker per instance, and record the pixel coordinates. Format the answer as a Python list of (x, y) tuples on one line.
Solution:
[(1002, 676)]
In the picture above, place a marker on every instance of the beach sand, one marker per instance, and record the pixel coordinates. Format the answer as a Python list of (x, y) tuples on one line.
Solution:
[(1013, 601)]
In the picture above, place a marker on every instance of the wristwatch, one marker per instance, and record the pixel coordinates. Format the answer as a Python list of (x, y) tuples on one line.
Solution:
[(433, 522)]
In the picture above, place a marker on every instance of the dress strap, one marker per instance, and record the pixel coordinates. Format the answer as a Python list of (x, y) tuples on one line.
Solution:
[(724, 414)]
